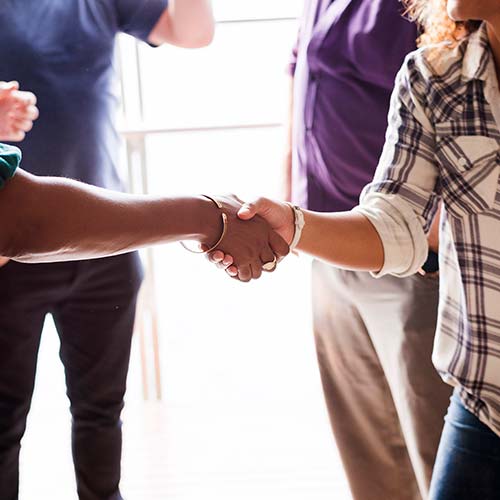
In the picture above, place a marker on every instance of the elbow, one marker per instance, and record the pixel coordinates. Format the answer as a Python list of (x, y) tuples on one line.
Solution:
[(205, 39), (10, 247), (5, 247), (9, 241), (18, 242), (200, 39), (208, 35), (197, 33), (200, 34)]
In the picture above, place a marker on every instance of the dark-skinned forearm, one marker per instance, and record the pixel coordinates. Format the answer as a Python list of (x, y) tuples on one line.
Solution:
[(60, 219)]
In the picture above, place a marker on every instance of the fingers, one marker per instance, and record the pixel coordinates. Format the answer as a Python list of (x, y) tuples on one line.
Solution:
[(25, 98), (256, 270), (24, 109), (278, 245), (261, 206), (215, 257), (249, 210), (18, 130), (19, 111), (29, 112), (221, 260), (267, 255), (227, 261), (22, 125), (22, 99), (15, 136), (250, 271), (232, 271), (245, 273), (8, 87), (19, 99), (253, 245)]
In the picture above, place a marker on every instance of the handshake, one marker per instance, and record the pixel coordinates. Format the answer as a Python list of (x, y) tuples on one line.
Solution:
[(249, 238), (244, 239)]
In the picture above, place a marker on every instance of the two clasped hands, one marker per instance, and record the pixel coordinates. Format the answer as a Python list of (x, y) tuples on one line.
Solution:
[(250, 238), (244, 239)]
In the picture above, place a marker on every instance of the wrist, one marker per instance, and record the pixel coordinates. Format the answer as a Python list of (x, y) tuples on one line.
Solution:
[(210, 221), (298, 225)]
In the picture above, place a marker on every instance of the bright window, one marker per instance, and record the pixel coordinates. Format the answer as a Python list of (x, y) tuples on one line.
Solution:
[(242, 415)]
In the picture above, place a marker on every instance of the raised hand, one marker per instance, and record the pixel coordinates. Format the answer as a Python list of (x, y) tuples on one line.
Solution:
[(18, 111), (280, 217), (250, 241)]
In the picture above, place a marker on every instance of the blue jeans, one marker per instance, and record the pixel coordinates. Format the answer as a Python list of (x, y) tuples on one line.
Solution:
[(468, 461)]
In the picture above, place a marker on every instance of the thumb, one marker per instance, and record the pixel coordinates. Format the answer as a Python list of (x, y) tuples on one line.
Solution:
[(250, 210), (7, 87)]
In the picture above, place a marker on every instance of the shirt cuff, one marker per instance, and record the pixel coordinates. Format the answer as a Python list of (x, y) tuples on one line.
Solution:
[(401, 231), (10, 158)]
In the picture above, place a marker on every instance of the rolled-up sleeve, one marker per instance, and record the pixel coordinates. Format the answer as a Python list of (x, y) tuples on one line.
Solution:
[(403, 198), (10, 158)]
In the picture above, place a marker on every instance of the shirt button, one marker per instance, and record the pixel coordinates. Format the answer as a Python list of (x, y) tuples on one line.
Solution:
[(463, 162)]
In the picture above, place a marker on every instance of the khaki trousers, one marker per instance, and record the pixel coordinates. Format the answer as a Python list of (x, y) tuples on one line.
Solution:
[(385, 400)]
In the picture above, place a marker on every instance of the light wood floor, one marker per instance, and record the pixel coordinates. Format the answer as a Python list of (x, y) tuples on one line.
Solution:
[(242, 416)]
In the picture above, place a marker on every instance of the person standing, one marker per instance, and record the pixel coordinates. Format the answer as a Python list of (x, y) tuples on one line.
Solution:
[(62, 51), (374, 338), (442, 148)]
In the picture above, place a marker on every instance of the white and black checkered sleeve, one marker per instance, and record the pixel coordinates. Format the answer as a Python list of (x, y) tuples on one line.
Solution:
[(402, 199)]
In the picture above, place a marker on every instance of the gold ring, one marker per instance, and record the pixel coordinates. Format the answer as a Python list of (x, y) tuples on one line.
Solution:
[(270, 266)]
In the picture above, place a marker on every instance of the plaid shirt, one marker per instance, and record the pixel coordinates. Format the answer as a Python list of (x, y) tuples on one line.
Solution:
[(443, 143)]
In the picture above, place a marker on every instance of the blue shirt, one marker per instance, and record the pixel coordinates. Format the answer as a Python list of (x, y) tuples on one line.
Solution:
[(345, 63), (63, 51)]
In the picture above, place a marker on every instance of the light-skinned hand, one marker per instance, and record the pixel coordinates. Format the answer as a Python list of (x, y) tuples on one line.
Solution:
[(18, 111)]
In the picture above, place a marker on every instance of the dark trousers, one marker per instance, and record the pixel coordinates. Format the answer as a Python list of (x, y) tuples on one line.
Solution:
[(468, 461), (93, 306)]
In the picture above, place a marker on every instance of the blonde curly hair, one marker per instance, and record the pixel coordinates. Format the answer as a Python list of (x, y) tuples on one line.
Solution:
[(437, 26)]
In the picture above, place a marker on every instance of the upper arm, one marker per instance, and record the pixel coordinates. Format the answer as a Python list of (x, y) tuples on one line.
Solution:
[(190, 25), (163, 31), (407, 166), (16, 208), (139, 17)]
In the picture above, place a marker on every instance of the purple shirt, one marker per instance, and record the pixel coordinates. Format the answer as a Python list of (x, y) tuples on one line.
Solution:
[(345, 62)]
